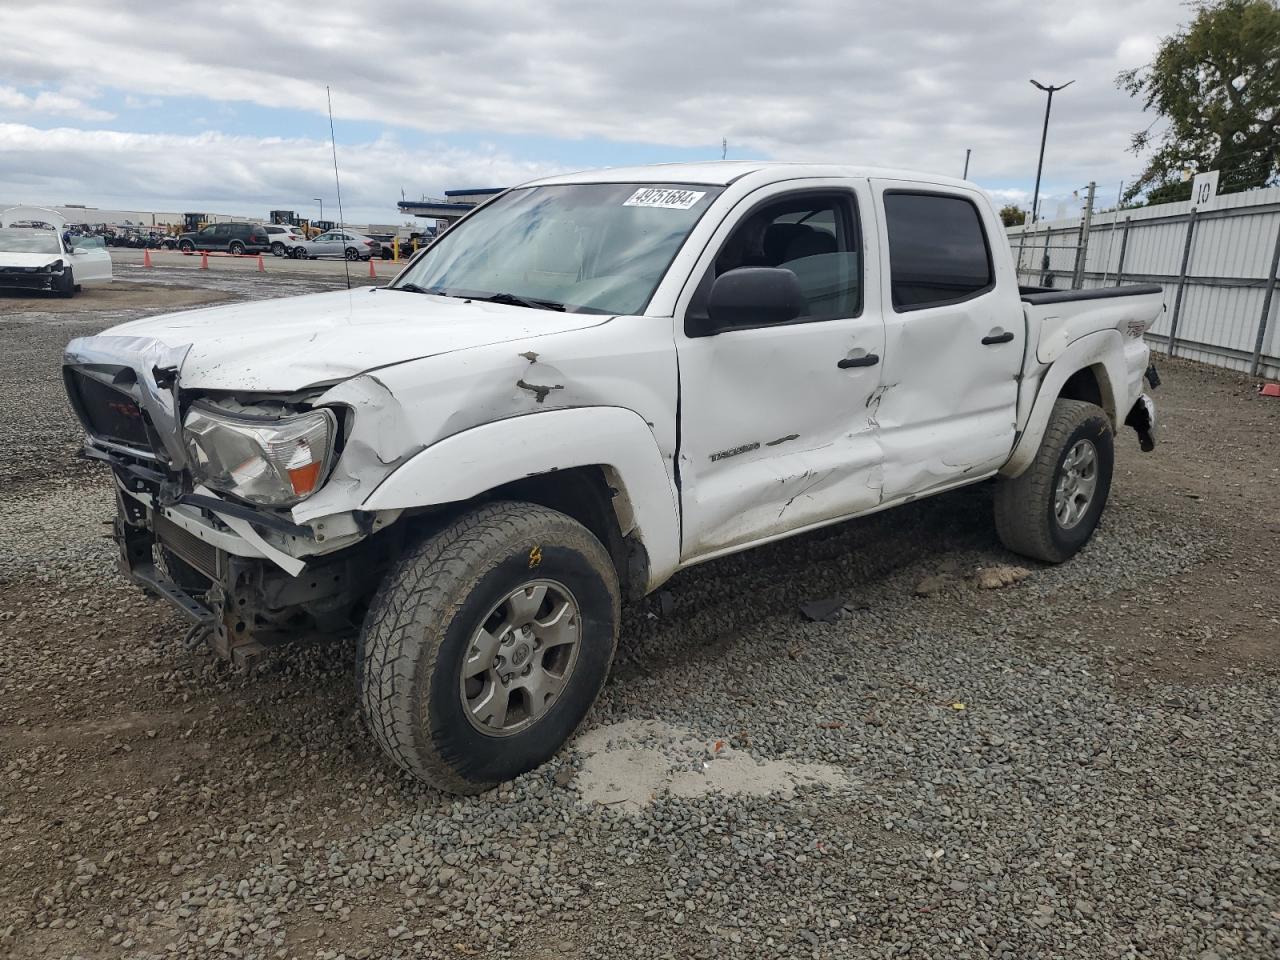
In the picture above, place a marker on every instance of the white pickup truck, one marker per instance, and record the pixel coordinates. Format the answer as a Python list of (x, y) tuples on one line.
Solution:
[(588, 383)]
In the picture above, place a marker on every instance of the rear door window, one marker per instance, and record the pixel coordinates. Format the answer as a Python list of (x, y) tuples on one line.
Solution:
[(938, 250)]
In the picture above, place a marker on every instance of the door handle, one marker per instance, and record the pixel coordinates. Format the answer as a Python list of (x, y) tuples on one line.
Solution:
[(866, 360), (997, 338)]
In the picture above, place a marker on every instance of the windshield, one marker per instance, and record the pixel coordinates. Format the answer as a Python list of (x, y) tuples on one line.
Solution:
[(25, 240), (595, 248)]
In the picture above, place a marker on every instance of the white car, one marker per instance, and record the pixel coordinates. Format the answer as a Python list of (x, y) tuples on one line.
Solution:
[(284, 237), (337, 243), (34, 255), (586, 385)]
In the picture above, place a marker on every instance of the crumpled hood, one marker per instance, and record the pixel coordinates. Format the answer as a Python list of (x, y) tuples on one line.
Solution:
[(11, 259), (295, 342)]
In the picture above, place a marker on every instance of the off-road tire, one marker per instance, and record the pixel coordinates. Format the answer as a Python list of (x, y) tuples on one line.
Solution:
[(1024, 505), (420, 626)]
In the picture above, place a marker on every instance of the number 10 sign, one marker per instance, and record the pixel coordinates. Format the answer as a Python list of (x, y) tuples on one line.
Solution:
[(1204, 190)]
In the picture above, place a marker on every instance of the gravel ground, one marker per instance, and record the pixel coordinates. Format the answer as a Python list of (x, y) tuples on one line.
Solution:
[(1080, 762)]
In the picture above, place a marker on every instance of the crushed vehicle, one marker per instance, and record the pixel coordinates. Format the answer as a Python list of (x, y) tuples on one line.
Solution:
[(34, 255), (585, 385)]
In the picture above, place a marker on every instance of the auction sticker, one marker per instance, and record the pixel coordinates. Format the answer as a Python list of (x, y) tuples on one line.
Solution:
[(665, 198)]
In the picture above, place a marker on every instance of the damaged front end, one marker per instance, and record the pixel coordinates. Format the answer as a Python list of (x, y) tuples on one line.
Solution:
[(47, 277), (206, 489)]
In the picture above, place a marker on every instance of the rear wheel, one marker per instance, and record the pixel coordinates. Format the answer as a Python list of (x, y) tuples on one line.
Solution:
[(353, 253), (236, 248), (1052, 509), (277, 249), (487, 644)]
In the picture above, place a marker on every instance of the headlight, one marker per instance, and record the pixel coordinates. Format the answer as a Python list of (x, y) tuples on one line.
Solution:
[(269, 460)]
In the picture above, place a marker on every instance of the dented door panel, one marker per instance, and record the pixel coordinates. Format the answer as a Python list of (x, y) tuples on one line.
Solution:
[(775, 434), (948, 406)]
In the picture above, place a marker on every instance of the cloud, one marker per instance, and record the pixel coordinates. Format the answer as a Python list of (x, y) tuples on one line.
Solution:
[(245, 175), (13, 100), (905, 83)]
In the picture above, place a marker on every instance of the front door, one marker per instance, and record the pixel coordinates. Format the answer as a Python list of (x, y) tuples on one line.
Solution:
[(90, 262), (205, 239), (954, 338), (775, 431)]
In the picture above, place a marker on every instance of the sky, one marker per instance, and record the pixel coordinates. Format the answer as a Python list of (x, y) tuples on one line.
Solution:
[(221, 107)]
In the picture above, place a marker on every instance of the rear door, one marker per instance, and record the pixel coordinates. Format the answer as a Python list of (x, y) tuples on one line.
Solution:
[(954, 336), (775, 433)]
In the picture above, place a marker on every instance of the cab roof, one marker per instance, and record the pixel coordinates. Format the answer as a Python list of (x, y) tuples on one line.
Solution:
[(725, 172)]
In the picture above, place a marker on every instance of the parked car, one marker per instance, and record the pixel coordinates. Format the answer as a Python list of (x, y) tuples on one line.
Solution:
[(284, 237), (387, 246), (35, 255), (234, 238), (584, 386), (337, 243)]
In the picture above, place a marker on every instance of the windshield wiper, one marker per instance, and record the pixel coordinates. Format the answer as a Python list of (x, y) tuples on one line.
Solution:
[(412, 288), (518, 301)]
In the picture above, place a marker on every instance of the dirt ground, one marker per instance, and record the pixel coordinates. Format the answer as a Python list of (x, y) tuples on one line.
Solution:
[(145, 789)]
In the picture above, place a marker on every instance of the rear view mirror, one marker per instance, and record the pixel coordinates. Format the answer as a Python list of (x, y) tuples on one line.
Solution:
[(754, 297)]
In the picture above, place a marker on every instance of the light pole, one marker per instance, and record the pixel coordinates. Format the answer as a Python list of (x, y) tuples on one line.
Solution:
[(320, 200), (1035, 202)]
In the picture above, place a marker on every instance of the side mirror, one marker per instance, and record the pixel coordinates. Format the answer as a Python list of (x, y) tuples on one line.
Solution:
[(754, 297), (77, 251)]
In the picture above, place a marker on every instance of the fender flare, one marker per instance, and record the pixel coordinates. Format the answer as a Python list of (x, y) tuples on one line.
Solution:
[(1104, 350), (467, 464)]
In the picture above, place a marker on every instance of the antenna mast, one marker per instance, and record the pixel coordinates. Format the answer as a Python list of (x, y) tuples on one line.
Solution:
[(342, 226)]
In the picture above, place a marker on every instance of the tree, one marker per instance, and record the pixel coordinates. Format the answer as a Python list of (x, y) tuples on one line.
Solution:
[(1011, 216), (1216, 84)]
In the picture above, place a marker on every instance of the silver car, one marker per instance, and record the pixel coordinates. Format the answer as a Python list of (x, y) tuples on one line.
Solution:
[(337, 243)]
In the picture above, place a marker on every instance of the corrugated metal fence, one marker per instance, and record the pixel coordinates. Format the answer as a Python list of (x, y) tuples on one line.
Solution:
[(1217, 266)]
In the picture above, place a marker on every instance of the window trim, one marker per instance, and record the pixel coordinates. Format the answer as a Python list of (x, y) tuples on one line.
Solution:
[(986, 243), (847, 196)]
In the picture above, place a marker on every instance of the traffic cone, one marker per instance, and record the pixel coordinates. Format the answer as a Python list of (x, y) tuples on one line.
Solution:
[(146, 257), (261, 267), (372, 272), (204, 259)]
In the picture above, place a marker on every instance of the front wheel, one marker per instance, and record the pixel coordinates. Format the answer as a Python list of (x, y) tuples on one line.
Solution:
[(1052, 509), (66, 285), (487, 644), (187, 247)]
